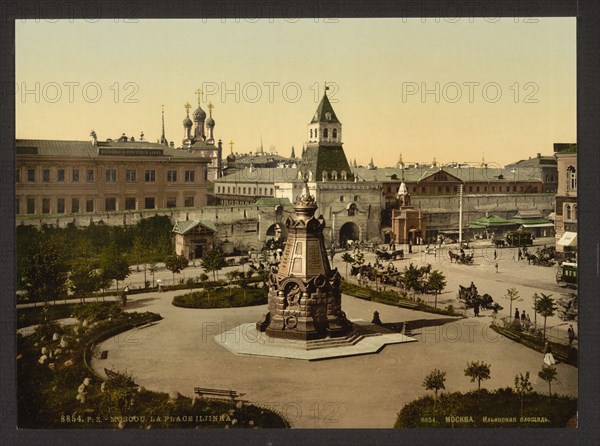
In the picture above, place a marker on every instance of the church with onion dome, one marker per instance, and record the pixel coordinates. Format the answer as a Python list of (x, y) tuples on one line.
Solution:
[(198, 137)]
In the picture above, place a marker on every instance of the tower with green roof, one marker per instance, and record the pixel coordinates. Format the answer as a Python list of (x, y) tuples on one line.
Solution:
[(324, 156)]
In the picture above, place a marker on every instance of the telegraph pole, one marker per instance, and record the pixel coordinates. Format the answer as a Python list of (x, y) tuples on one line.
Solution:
[(460, 207)]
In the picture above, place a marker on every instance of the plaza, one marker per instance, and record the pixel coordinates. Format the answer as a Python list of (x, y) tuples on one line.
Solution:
[(180, 352)]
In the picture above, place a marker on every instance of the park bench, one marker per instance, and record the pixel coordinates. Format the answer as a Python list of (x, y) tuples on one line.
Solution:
[(203, 392), (362, 295), (408, 304)]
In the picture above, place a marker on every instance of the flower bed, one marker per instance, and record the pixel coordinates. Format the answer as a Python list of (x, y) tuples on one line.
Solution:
[(57, 389), (222, 298)]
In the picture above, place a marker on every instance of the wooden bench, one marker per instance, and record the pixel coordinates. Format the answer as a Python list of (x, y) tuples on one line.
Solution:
[(408, 304), (362, 295), (220, 394)]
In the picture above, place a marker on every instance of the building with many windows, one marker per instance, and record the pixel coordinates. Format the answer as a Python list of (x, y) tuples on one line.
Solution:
[(565, 219), (68, 177)]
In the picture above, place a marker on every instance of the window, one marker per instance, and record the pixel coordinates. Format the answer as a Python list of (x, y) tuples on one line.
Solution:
[(150, 176), (567, 212), (311, 133), (575, 213), (455, 188), (188, 202), (75, 175), (356, 198), (189, 176), (344, 175), (477, 188), (325, 133), (171, 176), (328, 116), (271, 191), (423, 189), (439, 189), (31, 205), (110, 204), (334, 133), (60, 205), (447, 188), (341, 198), (45, 205), (30, 175), (351, 210), (514, 188), (244, 191), (131, 175), (493, 188), (470, 188), (61, 175), (89, 205), (46, 175), (130, 203), (485, 188), (334, 175), (324, 175), (228, 190), (149, 203), (90, 177), (111, 175), (572, 177), (414, 189), (171, 202), (74, 205), (205, 175)]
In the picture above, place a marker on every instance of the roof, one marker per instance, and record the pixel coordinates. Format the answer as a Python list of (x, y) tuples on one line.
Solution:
[(85, 149), (183, 227), (320, 158), (261, 175), (273, 202), (527, 214), (466, 174), (323, 108), (492, 220)]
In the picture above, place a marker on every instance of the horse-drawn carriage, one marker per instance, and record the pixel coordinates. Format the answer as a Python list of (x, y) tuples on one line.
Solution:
[(470, 296), (465, 259), (397, 254)]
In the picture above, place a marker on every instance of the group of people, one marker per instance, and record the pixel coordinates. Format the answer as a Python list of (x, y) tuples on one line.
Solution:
[(523, 317)]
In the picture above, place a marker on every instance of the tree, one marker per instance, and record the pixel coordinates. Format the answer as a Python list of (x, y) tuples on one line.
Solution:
[(546, 307), (478, 371), (523, 387), (412, 277), (84, 279), (548, 374), (213, 261), (45, 275), (435, 381), (114, 266), (152, 267), (513, 296), (347, 258), (176, 263), (436, 283)]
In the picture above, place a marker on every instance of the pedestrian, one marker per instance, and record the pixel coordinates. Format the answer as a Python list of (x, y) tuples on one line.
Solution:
[(523, 316), (496, 266), (571, 334), (517, 314), (548, 358), (495, 254), (476, 308), (159, 284)]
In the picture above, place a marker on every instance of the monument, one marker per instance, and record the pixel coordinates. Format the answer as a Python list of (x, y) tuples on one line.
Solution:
[(305, 301)]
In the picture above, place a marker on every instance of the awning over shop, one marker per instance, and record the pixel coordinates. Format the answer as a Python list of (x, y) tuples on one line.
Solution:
[(568, 239), (538, 225)]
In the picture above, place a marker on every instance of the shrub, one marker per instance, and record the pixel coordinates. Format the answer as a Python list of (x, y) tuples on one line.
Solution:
[(220, 297)]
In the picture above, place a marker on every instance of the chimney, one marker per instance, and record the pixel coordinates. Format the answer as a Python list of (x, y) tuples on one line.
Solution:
[(94, 138), (539, 155)]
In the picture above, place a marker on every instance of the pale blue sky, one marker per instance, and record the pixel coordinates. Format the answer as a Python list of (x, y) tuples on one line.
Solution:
[(369, 59)]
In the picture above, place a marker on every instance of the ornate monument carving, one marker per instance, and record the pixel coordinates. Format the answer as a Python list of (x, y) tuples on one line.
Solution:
[(304, 292)]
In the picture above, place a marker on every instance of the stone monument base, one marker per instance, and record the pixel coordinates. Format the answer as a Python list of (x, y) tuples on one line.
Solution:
[(363, 339)]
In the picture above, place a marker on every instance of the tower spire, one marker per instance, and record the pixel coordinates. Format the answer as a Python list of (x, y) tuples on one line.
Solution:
[(163, 139)]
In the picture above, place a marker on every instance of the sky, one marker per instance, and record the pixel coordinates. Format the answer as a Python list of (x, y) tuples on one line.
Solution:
[(455, 91)]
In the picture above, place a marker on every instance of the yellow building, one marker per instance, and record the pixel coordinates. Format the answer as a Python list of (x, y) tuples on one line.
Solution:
[(61, 177)]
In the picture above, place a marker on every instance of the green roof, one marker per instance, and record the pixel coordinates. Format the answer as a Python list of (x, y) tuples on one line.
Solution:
[(324, 107), (492, 220), (327, 158)]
